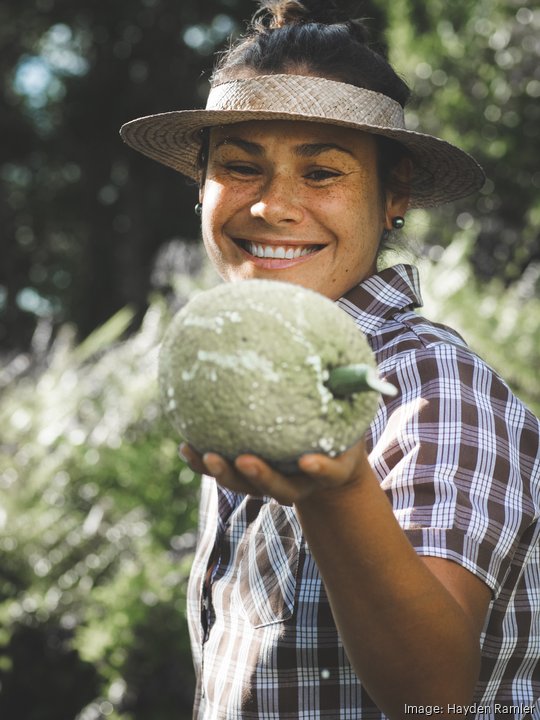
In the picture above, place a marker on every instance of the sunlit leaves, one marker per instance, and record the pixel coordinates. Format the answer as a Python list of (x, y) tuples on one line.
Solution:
[(475, 73), (98, 513)]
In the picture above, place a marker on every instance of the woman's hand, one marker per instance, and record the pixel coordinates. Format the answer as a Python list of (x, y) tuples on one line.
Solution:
[(250, 475)]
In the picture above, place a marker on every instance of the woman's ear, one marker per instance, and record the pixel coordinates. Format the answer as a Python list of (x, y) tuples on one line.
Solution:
[(398, 192)]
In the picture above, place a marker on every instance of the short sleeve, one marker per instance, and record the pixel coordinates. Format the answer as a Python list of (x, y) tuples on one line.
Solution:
[(455, 452)]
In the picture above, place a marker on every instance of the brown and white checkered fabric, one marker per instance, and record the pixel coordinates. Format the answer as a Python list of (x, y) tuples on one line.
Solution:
[(458, 456)]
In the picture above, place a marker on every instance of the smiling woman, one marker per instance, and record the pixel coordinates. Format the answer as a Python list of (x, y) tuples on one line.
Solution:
[(312, 595), (293, 201)]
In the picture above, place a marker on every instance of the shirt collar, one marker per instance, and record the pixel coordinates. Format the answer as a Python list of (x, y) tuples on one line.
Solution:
[(381, 296)]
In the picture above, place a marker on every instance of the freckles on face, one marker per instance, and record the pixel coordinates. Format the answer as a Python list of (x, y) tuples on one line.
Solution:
[(292, 201), (225, 255)]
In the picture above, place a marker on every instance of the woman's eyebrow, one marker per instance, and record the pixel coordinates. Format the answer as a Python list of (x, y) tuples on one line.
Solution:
[(249, 147), (314, 149), (303, 150)]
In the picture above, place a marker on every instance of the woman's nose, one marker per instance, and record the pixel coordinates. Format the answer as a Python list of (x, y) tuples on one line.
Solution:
[(278, 202)]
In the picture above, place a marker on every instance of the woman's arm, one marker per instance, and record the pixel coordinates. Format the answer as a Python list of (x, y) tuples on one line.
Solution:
[(410, 625)]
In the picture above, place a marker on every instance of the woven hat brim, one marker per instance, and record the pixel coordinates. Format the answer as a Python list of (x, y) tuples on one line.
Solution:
[(441, 171)]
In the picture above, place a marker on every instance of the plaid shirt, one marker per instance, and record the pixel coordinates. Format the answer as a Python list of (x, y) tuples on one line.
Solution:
[(458, 456)]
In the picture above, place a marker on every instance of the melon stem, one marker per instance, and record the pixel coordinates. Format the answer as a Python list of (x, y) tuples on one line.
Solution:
[(350, 379)]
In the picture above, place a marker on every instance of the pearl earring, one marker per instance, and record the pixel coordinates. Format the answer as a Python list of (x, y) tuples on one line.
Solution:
[(198, 209), (398, 222)]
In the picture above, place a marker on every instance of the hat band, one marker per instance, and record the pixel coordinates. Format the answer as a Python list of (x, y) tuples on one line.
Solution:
[(309, 96)]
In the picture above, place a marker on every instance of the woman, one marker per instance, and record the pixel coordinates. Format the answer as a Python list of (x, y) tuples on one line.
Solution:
[(313, 596)]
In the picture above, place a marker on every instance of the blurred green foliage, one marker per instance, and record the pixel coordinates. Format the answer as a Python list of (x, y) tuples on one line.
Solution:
[(97, 523), (475, 72)]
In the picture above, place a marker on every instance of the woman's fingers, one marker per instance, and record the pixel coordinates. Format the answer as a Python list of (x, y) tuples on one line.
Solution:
[(192, 457), (250, 475), (227, 475), (336, 471), (285, 489)]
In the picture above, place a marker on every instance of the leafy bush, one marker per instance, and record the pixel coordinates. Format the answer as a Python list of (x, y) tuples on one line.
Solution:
[(473, 67), (97, 523)]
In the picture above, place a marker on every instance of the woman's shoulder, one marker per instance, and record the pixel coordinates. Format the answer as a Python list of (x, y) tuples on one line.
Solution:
[(433, 366), (418, 352), (409, 332)]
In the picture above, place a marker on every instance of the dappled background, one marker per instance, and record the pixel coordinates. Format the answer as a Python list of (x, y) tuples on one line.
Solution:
[(99, 247)]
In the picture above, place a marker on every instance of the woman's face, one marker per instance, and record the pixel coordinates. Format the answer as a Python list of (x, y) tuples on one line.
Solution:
[(294, 201)]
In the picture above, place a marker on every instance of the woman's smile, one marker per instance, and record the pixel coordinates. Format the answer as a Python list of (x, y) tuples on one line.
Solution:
[(294, 201), (279, 254)]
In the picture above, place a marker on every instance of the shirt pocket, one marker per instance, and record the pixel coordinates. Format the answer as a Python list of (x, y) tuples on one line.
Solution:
[(267, 575)]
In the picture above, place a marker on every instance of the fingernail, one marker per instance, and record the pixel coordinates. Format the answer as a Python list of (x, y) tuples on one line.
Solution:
[(311, 465), (250, 470), (213, 464)]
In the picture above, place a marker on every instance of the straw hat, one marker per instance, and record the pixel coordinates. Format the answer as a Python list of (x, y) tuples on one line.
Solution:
[(441, 171)]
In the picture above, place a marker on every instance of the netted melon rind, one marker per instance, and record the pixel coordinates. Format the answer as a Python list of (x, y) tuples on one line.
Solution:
[(243, 368)]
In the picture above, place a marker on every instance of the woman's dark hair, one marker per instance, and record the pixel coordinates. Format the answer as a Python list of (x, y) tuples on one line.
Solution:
[(313, 37)]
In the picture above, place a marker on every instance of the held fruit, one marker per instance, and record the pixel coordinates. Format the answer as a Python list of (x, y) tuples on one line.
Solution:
[(268, 368)]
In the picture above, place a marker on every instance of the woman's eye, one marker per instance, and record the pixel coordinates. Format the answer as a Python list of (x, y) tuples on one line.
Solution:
[(322, 174), (242, 169)]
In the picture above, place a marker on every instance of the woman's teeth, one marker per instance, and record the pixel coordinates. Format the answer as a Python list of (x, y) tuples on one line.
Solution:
[(279, 252)]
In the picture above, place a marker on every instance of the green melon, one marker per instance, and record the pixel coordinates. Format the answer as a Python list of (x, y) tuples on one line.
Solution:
[(269, 368)]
